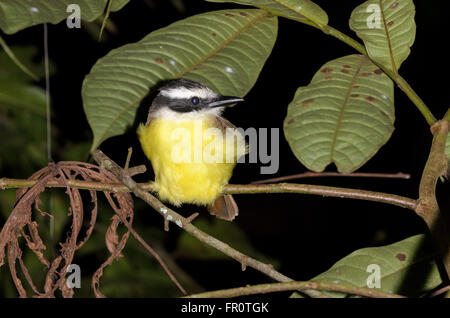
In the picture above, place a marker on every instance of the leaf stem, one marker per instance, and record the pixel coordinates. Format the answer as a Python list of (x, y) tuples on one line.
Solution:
[(447, 115), (108, 10)]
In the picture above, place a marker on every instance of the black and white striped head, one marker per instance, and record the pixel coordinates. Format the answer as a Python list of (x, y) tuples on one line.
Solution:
[(183, 96)]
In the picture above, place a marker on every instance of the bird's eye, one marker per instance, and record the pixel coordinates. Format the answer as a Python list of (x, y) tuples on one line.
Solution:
[(195, 100)]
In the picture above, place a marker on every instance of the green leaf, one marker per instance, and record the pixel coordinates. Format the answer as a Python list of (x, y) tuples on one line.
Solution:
[(343, 116), (304, 11), (387, 29), (190, 247), (118, 4), (406, 268), (16, 15), (224, 50)]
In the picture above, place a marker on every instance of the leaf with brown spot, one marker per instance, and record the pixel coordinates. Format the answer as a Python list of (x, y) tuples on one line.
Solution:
[(326, 70), (387, 43), (308, 101), (412, 259), (341, 128), (371, 99)]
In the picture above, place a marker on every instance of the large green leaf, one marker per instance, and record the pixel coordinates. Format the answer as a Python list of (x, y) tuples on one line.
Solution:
[(406, 268), (343, 116), (224, 50), (387, 29), (304, 11), (16, 15)]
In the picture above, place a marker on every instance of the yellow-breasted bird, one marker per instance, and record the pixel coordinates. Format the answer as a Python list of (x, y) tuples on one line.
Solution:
[(193, 150)]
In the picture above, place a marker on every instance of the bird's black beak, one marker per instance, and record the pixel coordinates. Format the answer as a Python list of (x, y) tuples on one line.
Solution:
[(224, 101)]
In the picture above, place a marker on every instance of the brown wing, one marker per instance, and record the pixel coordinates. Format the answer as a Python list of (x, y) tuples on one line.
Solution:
[(151, 115), (223, 124), (224, 208)]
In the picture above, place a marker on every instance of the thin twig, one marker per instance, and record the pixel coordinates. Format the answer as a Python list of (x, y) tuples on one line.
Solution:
[(127, 162), (279, 287), (440, 291), (310, 174)]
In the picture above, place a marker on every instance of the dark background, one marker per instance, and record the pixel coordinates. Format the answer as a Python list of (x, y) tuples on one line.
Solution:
[(306, 234)]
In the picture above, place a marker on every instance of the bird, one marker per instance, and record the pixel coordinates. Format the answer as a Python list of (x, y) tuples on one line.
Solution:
[(192, 148)]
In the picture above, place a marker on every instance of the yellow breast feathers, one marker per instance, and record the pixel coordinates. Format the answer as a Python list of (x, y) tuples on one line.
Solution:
[(192, 158)]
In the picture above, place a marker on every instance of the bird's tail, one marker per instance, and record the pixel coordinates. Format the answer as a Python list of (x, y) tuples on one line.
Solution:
[(224, 208)]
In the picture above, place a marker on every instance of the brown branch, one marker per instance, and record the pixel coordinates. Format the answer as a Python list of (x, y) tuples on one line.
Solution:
[(6, 183), (310, 174), (171, 216), (428, 208), (440, 291), (279, 287), (326, 191)]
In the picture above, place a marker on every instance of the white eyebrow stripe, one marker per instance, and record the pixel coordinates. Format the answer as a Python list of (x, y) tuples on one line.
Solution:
[(185, 93)]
